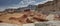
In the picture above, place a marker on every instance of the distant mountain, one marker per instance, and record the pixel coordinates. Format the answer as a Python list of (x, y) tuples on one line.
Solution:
[(31, 7)]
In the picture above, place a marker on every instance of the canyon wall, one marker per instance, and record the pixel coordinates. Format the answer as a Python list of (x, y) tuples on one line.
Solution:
[(50, 6)]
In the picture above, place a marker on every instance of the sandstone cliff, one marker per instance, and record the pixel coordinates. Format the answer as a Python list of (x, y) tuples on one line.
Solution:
[(51, 6)]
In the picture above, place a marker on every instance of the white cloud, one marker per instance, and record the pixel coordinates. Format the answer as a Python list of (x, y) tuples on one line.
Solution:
[(49, 0), (43, 2)]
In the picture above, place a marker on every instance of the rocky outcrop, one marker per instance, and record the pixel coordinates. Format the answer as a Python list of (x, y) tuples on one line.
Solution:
[(50, 6), (23, 17)]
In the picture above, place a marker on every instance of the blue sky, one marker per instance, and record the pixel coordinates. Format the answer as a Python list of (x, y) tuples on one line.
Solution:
[(17, 3), (9, 2)]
